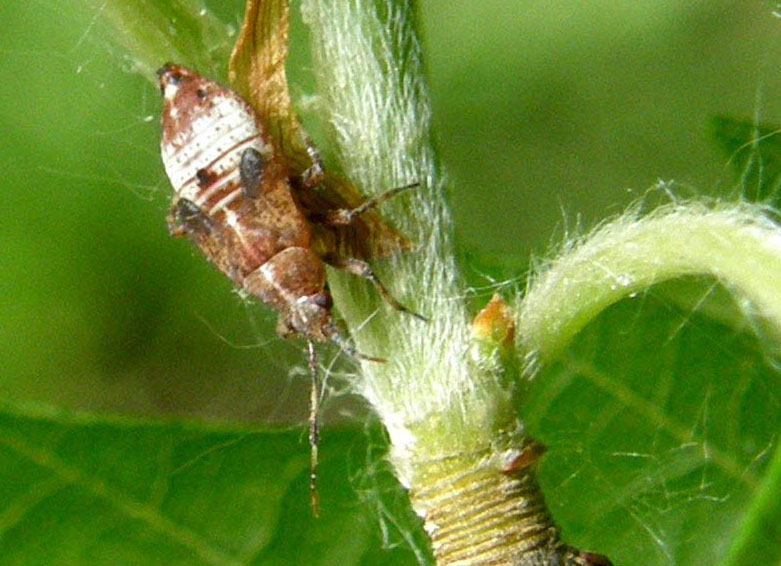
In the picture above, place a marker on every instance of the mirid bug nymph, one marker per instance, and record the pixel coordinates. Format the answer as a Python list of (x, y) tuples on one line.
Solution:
[(235, 199)]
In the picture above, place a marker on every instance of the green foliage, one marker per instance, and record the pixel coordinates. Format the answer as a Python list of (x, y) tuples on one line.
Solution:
[(184, 31), (754, 150), (93, 492), (661, 421)]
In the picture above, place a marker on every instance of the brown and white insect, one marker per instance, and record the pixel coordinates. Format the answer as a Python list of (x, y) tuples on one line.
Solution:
[(234, 198)]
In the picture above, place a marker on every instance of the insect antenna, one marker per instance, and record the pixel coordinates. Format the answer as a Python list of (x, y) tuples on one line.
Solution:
[(360, 268)]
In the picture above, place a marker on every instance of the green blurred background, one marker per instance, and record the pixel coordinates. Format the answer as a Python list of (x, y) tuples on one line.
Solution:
[(547, 112)]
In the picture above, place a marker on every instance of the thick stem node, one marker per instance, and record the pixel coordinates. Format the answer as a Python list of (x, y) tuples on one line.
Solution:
[(479, 512)]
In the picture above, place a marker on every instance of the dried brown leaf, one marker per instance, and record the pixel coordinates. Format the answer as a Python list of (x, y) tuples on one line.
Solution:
[(257, 72)]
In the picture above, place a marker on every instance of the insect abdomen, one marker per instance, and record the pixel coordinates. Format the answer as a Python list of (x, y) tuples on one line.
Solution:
[(225, 173), (202, 158)]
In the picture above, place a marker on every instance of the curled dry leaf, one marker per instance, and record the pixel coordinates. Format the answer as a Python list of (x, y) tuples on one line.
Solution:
[(257, 73)]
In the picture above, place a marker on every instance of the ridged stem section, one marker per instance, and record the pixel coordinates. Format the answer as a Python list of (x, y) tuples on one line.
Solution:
[(480, 513)]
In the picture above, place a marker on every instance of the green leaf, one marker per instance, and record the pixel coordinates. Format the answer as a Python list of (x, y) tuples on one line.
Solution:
[(754, 150), (184, 31), (78, 491), (661, 422)]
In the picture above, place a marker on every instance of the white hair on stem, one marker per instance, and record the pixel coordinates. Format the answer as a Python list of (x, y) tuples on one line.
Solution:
[(371, 81)]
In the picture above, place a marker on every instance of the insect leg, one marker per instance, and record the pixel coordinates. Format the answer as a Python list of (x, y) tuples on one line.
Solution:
[(340, 341), (362, 269), (316, 172), (344, 216), (314, 432)]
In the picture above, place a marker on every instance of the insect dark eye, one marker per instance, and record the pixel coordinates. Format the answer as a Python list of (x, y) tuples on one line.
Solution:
[(168, 76)]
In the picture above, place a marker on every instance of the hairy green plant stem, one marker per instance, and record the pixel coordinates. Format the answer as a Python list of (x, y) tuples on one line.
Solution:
[(449, 412), (737, 244), (430, 397)]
